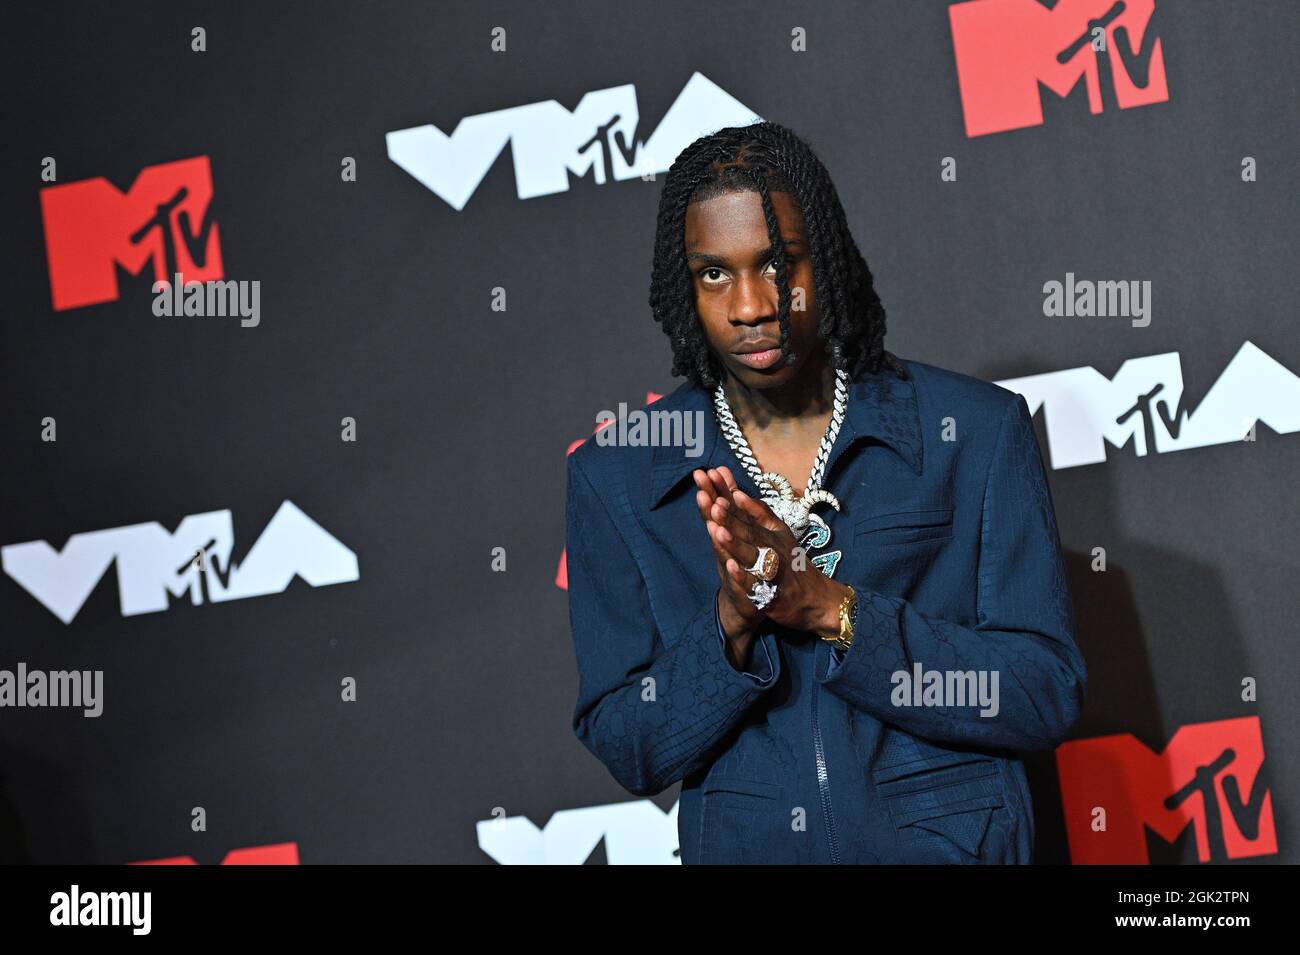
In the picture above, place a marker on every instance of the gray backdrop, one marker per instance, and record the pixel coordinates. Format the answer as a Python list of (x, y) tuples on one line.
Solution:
[(377, 303)]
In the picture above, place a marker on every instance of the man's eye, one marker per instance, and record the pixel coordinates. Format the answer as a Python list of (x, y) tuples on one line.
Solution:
[(705, 274)]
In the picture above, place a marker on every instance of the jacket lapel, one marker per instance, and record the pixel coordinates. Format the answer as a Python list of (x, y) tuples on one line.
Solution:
[(881, 407)]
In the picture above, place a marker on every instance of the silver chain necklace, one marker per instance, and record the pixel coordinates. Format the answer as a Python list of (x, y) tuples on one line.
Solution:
[(777, 491)]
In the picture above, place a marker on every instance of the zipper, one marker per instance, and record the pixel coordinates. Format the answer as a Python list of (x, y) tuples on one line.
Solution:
[(823, 783)]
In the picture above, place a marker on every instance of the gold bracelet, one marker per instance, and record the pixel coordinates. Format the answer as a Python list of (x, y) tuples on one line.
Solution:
[(848, 610)]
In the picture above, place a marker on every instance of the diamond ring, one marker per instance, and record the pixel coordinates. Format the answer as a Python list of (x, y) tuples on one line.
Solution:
[(766, 564), (762, 594)]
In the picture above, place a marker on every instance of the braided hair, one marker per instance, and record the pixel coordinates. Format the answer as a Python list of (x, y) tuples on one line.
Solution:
[(765, 158)]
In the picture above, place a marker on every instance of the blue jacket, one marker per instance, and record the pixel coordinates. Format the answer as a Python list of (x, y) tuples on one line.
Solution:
[(947, 534)]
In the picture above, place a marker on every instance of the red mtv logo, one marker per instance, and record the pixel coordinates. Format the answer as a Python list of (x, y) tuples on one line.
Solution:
[(92, 227), (1006, 48), (1198, 781), (283, 853)]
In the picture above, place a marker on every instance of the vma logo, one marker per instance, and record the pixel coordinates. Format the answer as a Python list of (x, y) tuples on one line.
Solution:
[(548, 142), (153, 564), (92, 229), (625, 833), (1084, 410), (1007, 49), (1125, 803)]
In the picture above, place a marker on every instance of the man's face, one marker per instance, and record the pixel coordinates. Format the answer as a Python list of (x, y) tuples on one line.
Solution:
[(730, 257)]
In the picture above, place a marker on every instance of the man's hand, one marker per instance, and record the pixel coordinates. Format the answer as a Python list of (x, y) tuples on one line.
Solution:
[(738, 525), (740, 618)]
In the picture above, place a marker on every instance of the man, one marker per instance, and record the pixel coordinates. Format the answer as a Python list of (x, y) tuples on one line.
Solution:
[(841, 640)]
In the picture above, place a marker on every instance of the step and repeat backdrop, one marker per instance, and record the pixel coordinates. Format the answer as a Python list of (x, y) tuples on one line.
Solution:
[(305, 304)]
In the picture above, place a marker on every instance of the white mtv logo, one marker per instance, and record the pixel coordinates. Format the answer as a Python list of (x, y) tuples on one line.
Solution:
[(635, 833), (1084, 410), (153, 563), (548, 142)]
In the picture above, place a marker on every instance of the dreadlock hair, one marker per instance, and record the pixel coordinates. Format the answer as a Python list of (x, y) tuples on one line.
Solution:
[(765, 158)]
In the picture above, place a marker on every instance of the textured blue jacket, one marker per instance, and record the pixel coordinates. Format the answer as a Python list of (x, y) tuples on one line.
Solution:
[(947, 533)]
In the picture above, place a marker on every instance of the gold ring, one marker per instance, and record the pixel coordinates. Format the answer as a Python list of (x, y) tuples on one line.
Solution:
[(766, 564)]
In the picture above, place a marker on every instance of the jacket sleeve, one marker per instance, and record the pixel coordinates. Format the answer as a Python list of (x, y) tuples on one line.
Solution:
[(649, 709), (1024, 631)]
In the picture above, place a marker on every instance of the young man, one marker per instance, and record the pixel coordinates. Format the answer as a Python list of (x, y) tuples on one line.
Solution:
[(839, 625)]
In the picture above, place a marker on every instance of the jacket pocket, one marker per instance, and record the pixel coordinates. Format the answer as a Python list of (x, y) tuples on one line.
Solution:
[(737, 819), (942, 812), (906, 527)]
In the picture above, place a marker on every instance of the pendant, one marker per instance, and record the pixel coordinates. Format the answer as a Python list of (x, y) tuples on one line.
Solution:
[(807, 527), (819, 535)]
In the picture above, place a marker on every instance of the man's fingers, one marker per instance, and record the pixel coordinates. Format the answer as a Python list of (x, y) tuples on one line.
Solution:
[(720, 552), (734, 569), (706, 495), (724, 485), (704, 483), (738, 530), (734, 515), (756, 512), (739, 574), (724, 478), (730, 516), (705, 503), (740, 580), (741, 585), (714, 498), (730, 569), (735, 547)]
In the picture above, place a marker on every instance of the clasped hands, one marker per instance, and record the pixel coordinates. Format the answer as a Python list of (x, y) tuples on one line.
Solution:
[(738, 525)]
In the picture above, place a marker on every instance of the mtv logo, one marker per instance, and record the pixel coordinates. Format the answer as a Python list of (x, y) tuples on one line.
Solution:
[(549, 143), (92, 228), (154, 564), (1142, 405), (283, 853), (633, 833), (1209, 777), (1007, 49)]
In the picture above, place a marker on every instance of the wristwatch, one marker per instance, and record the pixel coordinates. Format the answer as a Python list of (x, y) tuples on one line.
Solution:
[(848, 612)]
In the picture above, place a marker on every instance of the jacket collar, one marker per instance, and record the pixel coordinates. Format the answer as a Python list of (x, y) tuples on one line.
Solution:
[(881, 406)]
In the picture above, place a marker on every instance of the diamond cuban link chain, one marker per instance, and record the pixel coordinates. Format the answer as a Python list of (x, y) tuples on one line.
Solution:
[(777, 491)]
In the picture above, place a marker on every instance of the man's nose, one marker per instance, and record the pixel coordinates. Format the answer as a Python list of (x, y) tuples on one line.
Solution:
[(754, 300)]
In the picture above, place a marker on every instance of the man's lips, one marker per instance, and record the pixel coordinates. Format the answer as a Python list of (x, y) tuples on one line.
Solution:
[(764, 358), (757, 345)]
